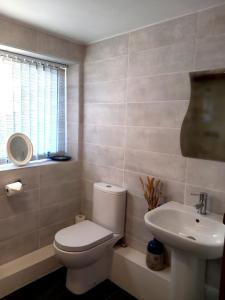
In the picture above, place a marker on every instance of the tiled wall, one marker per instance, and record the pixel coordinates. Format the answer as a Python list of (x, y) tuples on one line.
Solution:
[(136, 94), (17, 35), (50, 200), (51, 196)]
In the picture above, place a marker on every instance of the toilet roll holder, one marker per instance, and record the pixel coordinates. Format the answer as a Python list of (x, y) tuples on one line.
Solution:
[(10, 190)]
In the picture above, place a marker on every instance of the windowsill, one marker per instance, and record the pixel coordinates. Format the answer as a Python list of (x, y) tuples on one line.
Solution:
[(31, 164)]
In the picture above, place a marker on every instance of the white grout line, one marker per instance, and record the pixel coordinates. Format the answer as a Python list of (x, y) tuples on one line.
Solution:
[(133, 77), (107, 59), (127, 148), (131, 126), (141, 76), (125, 111), (135, 102)]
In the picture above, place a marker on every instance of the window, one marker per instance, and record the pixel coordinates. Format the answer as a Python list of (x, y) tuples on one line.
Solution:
[(32, 101)]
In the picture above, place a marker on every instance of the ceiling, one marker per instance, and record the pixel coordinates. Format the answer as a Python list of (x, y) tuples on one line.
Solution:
[(87, 21)]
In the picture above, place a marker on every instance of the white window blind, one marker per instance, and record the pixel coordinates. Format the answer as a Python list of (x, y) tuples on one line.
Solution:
[(32, 101)]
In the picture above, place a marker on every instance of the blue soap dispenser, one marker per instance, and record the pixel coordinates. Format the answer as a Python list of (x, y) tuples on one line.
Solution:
[(155, 255)]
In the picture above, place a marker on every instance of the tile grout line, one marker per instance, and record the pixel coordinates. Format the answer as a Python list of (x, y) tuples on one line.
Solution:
[(125, 112), (167, 74), (136, 102)]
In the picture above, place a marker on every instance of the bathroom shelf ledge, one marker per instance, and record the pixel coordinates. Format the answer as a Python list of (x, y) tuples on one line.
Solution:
[(23, 270), (130, 272)]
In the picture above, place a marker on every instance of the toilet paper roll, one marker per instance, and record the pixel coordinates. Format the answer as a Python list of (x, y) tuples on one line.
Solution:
[(13, 188), (79, 218)]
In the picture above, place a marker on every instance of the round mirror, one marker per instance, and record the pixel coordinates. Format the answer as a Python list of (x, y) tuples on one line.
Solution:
[(19, 149)]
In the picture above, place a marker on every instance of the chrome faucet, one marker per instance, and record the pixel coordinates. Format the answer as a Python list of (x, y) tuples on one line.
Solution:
[(202, 205)]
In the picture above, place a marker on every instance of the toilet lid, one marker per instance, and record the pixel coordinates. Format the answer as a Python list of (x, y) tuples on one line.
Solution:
[(82, 236)]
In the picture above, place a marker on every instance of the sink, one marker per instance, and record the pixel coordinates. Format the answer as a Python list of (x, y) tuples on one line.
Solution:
[(180, 226), (193, 239)]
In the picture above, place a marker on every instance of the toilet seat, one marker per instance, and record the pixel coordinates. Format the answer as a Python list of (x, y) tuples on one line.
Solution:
[(82, 236)]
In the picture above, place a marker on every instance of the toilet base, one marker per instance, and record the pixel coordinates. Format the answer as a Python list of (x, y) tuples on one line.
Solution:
[(79, 281)]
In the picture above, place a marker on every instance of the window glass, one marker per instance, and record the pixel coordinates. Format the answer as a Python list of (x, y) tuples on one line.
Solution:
[(32, 101)]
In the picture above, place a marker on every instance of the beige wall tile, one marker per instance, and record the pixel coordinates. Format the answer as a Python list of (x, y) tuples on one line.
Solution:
[(206, 174), (162, 140), (104, 156), (12, 248), (47, 234), (210, 53), (56, 47), (74, 73), (55, 173), (157, 114), (87, 189), (21, 203), (86, 209), (168, 59), (116, 46), (59, 193), (165, 33), (19, 224), (156, 164), (105, 135), (137, 228), (72, 95), (211, 22), (16, 35), (104, 114), (73, 111), (159, 88), (73, 132), (73, 150), (136, 206), (136, 243), (112, 91), (111, 69), (100, 173), (58, 213)]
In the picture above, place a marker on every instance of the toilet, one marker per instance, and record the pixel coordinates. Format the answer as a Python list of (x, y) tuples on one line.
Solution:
[(86, 248)]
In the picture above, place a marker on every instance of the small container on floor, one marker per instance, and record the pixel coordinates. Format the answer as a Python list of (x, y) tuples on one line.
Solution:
[(155, 255)]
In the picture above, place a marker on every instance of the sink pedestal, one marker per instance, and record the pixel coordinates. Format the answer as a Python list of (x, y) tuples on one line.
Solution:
[(188, 276)]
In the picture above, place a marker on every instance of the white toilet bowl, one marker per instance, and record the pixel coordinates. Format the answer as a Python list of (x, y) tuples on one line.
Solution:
[(86, 248), (86, 257)]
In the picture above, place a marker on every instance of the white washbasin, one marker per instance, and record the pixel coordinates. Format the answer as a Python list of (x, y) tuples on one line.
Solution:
[(181, 227)]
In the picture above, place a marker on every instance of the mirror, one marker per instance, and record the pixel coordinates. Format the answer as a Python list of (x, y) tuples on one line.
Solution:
[(203, 129), (19, 149)]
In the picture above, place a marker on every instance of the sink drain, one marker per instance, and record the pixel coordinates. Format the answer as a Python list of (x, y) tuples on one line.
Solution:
[(191, 237)]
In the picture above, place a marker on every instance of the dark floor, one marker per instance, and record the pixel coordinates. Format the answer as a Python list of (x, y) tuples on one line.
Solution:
[(53, 287)]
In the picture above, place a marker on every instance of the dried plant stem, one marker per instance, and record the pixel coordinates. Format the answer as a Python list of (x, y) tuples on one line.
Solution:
[(152, 190)]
